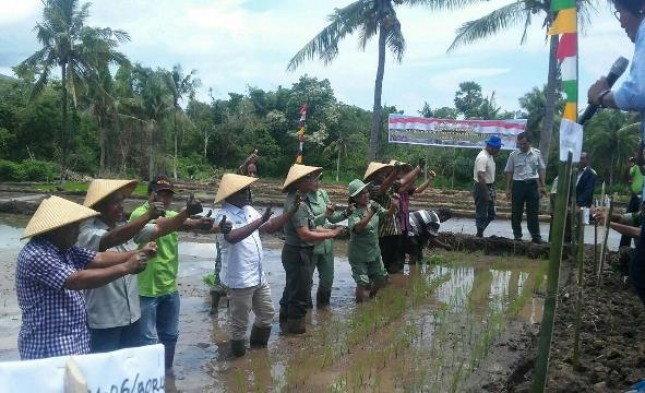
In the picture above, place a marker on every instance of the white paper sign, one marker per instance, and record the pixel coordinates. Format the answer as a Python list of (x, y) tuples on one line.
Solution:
[(570, 139), (129, 370)]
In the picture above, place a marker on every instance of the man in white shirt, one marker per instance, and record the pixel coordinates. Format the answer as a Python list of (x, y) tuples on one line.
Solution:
[(483, 190), (242, 261)]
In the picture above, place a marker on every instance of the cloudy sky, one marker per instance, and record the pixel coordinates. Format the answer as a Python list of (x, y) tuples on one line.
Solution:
[(238, 43)]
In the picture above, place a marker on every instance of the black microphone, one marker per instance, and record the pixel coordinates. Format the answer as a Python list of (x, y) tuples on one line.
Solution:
[(615, 72)]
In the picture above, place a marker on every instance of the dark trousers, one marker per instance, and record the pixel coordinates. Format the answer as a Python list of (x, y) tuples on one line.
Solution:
[(484, 210), (633, 206), (525, 192), (637, 267), (390, 252), (297, 267), (111, 339)]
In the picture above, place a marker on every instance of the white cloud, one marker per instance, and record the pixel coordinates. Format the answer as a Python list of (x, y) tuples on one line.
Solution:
[(235, 43)]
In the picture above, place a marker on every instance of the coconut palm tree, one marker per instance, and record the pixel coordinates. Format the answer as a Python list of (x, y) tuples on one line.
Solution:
[(369, 18), (523, 11), (337, 147), (610, 138), (74, 47), (180, 85)]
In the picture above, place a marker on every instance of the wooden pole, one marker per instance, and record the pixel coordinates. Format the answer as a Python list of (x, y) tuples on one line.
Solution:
[(581, 272), (603, 248), (553, 277)]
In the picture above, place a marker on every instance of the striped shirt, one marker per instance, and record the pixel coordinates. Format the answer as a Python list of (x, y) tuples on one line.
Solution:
[(424, 221), (54, 322), (389, 224)]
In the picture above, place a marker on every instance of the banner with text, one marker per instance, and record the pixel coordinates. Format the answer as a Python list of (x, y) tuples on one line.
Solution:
[(452, 133), (125, 371)]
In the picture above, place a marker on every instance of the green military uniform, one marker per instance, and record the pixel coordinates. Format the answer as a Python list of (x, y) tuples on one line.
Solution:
[(363, 251), (296, 260), (323, 257)]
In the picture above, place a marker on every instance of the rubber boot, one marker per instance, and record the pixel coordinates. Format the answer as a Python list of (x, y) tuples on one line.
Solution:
[(215, 298), (374, 289), (296, 326), (322, 297), (259, 336), (362, 295), (169, 355), (238, 347)]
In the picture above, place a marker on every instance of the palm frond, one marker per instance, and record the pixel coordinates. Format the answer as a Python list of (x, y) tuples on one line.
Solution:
[(344, 21), (490, 24)]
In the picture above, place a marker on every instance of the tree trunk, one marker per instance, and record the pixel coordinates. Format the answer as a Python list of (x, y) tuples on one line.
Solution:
[(151, 161), (549, 107), (175, 163), (63, 132), (338, 164), (378, 90), (206, 135)]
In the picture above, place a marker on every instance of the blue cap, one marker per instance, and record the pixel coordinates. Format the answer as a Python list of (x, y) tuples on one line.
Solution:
[(494, 141)]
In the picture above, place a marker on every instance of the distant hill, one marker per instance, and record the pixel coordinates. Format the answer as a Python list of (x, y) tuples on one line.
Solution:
[(7, 78)]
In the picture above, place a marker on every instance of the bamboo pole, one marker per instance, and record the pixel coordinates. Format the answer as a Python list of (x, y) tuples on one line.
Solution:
[(603, 248), (553, 278), (581, 272), (595, 239), (603, 197)]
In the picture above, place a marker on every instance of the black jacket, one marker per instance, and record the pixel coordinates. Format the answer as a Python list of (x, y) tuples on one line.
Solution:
[(585, 187)]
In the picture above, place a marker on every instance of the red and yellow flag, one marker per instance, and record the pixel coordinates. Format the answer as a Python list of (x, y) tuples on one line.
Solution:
[(565, 25)]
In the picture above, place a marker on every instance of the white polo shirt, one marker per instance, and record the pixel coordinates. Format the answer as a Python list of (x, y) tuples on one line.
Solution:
[(242, 261)]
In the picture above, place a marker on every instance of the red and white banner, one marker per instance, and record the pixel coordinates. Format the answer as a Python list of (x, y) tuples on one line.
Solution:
[(452, 133)]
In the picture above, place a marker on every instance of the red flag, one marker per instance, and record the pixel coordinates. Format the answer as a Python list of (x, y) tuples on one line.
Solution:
[(567, 46)]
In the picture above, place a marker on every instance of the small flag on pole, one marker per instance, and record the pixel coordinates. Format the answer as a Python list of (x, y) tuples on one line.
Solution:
[(301, 133)]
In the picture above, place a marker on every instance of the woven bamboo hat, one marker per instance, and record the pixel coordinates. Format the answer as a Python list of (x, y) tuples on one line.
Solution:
[(231, 183), (297, 172), (374, 167), (53, 213), (400, 163), (100, 189)]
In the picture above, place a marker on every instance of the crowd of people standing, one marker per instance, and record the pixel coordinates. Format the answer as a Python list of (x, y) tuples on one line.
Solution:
[(93, 280)]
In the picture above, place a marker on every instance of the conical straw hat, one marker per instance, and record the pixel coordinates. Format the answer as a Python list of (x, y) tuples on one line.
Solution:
[(53, 213), (374, 167), (101, 188), (297, 172), (401, 163), (230, 184)]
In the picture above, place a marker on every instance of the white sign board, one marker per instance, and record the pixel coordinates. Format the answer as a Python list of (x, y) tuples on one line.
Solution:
[(570, 139), (129, 370)]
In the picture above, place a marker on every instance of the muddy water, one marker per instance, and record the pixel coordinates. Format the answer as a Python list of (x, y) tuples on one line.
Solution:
[(428, 330)]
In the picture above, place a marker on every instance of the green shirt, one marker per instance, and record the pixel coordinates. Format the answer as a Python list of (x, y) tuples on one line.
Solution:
[(304, 217), (637, 179), (363, 246), (160, 276), (318, 201)]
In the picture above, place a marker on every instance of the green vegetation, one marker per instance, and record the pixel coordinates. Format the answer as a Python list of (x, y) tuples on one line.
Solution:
[(136, 120)]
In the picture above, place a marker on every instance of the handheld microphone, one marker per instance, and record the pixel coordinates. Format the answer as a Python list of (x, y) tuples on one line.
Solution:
[(615, 72)]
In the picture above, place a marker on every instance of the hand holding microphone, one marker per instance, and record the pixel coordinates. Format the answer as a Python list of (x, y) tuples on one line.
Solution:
[(601, 88)]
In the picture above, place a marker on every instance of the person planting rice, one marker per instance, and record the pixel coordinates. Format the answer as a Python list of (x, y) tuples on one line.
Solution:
[(363, 251)]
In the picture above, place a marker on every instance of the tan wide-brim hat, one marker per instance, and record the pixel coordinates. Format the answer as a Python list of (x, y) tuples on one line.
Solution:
[(100, 189), (374, 167), (231, 183), (55, 212), (297, 172)]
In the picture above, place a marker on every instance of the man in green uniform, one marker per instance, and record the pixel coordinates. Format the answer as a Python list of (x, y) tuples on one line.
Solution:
[(301, 236), (323, 257)]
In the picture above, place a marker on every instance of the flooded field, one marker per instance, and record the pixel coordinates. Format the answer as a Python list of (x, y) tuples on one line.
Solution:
[(430, 330)]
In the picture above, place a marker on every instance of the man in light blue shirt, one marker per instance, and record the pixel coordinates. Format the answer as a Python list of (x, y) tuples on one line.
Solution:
[(630, 96), (242, 261)]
